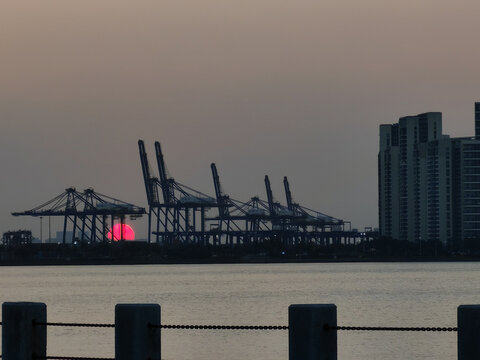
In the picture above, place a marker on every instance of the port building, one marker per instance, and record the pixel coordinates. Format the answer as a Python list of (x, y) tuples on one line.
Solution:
[(428, 182)]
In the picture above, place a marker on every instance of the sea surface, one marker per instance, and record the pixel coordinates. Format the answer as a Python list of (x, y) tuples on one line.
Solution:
[(366, 294)]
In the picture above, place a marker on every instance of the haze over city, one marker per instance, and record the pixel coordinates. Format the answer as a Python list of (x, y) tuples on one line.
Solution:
[(295, 88)]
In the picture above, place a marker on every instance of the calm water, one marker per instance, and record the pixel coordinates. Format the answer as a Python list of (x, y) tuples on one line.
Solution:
[(406, 294)]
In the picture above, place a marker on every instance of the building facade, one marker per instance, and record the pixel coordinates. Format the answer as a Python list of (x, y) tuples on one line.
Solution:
[(466, 190), (428, 183)]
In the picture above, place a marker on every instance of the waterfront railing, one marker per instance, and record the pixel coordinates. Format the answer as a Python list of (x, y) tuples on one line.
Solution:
[(312, 331)]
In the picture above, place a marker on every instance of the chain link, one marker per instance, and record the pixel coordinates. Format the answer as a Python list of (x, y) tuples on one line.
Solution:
[(376, 328), (228, 327), (187, 327), (220, 327), (69, 358), (259, 327), (74, 324)]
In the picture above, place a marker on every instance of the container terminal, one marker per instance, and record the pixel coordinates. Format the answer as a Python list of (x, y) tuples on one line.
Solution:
[(181, 217)]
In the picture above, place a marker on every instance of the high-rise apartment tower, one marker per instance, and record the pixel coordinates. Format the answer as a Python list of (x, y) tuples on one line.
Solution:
[(428, 183)]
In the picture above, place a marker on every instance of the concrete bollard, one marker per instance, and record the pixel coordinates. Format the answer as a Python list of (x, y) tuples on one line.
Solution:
[(134, 338), (307, 337), (20, 338), (468, 318)]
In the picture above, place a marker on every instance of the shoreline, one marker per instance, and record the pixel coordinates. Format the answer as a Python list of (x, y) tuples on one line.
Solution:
[(138, 253), (103, 262)]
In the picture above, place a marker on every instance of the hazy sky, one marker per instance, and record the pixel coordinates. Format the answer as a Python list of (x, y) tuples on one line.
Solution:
[(275, 87)]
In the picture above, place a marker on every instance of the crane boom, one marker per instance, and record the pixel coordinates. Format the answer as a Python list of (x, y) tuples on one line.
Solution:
[(152, 196), (167, 190), (288, 194), (222, 200), (216, 180), (269, 196)]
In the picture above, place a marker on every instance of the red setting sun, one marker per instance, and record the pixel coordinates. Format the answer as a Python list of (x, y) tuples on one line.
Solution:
[(118, 230)]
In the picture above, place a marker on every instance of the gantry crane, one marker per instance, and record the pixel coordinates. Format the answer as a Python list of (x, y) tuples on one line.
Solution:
[(181, 214), (238, 221), (311, 224), (88, 212)]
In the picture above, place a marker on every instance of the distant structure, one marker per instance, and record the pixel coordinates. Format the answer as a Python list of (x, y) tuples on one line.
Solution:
[(90, 214), (59, 236), (179, 214), (18, 237), (429, 183)]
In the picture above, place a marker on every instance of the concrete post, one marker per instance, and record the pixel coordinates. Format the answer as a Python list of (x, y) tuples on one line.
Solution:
[(134, 339), (20, 338), (307, 337), (468, 318)]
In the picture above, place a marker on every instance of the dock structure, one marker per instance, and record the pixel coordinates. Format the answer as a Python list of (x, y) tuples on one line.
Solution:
[(17, 237), (89, 214), (180, 214)]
